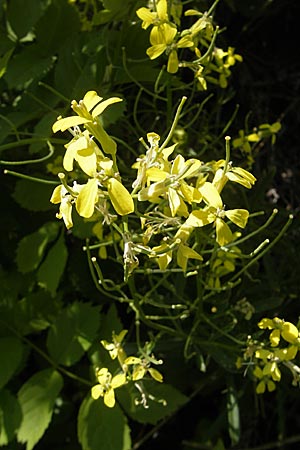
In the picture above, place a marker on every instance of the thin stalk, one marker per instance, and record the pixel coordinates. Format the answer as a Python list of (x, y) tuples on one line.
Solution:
[(28, 177), (174, 124)]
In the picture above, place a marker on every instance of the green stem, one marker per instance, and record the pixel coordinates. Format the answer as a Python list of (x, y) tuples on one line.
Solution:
[(260, 255), (30, 161), (28, 177), (174, 124)]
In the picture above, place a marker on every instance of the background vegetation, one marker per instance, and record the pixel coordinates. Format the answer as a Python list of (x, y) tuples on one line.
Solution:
[(52, 314)]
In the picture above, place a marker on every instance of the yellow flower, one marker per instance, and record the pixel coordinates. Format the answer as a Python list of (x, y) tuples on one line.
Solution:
[(88, 109), (62, 195), (83, 149), (115, 348), (215, 213), (106, 386), (141, 367)]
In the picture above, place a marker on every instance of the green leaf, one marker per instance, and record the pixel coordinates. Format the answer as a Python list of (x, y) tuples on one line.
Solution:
[(73, 332), (168, 400), (28, 66), (33, 196), (32, 247), (20, 22), (52, 268), (11, 350), (100, 427), (233, 415), (37, 398), (10, 416), (4, 61)]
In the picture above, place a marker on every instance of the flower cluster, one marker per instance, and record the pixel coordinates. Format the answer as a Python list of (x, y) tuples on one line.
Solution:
[(209, 63), (172, 196), (283, 347), (133, 369)]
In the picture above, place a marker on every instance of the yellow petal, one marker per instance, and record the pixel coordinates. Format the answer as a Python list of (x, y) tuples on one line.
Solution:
[(132, 360), (172, 66), (289, 332), (223, 232), (275, 338), (138, 373), (147, 16), (156, 50), (87, 197), (261, 387), (109, 398), (97, 391), (156, 375), (200, 218), (174, 201), (87, 161), (238, 216), (65, 212), (156, 174), (103, 105), (56, 195), (120, 197), (162, 8), (91, 99), (68, 122), (210, 195), (118, 380)]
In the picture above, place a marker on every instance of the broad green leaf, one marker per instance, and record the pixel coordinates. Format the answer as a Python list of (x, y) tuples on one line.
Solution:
[(52, 268), (10, 416), (168, 400), (33, 196), (100, 427), (28, 66), (11, 350), (20, 22), (37, 398), (120, 197), (32, 247), (73, 333)]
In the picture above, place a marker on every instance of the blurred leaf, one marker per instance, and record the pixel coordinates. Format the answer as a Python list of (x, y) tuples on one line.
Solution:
[(100, 427), (37, 398), (33, 196), (59, 22), (31, 248), (22, 22), (10, 416), (11, 350), (168, 400), (28, 66), (4, 61), (233, 415), (36, 312), (73, 333), (53, 266)]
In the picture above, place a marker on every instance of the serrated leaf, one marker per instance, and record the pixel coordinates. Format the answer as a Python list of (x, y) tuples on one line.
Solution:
[(10, 416), (31, 248), (73, 333), (33, 196), (37, 398), (100, 427), (52, 268), (28, 66), (11, 354), (168, 400)]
